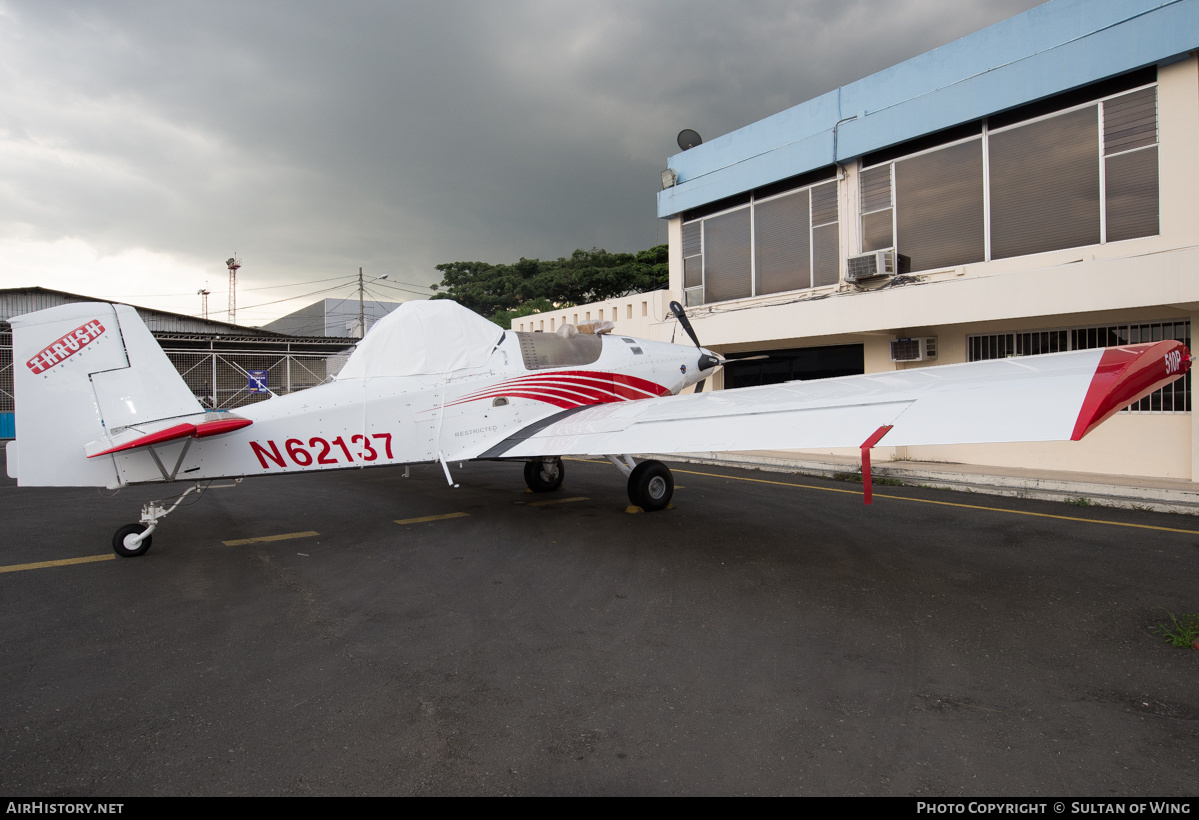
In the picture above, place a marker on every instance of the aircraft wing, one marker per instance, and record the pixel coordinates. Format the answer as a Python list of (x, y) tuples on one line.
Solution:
[(1052, 397)]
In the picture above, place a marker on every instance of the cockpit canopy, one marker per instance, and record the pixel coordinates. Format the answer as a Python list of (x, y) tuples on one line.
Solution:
[(421, 338)]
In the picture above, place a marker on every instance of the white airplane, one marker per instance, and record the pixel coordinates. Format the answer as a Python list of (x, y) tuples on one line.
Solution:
[(99, 404)]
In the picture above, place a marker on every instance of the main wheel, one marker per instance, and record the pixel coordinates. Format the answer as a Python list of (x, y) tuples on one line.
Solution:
[(651, 485), (542, 475), (122, 542)]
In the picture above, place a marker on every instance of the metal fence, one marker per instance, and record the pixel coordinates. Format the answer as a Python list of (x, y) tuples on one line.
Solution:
[(235, 373), (6, 402)]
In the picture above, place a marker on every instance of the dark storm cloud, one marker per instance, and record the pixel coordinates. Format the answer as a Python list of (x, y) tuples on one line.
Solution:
[(314, 137)]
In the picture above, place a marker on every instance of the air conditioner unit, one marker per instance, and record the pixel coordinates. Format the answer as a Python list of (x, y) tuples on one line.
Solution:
[(914, 350), (877, 263)]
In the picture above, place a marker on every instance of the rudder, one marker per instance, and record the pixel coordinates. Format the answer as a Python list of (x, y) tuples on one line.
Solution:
[(82, 372)]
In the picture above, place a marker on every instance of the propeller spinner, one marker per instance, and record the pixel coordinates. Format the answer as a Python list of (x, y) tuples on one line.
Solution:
[(707, 359)]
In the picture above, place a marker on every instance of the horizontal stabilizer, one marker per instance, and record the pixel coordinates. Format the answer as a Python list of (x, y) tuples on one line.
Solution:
[(145, 435)]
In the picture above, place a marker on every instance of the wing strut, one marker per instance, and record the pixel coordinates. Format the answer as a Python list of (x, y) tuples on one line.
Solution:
[(867, 485)]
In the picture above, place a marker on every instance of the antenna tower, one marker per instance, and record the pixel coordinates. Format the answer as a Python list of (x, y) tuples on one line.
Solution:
[(203, 294), (233, 263)]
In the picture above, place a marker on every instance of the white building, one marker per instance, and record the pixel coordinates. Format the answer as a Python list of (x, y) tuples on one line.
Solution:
[(1038, 182)]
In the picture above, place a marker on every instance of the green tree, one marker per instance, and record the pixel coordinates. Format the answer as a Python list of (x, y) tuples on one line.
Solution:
[(533, 285)]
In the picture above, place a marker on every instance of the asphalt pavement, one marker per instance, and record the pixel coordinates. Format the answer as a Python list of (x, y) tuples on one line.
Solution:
[(769, 634)]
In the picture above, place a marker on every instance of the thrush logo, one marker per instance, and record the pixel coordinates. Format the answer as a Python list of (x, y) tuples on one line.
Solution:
[(66, 347)]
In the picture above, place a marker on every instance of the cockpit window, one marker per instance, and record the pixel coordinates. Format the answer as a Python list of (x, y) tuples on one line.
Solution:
[(542, 350)]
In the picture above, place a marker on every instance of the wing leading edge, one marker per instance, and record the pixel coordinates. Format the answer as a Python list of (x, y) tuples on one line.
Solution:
[(1053, 397)]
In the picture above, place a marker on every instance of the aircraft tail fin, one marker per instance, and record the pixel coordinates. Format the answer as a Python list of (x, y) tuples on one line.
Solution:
[(84, 374)]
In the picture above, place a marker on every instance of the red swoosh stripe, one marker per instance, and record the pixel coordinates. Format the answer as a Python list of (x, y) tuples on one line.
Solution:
[(571, 388)]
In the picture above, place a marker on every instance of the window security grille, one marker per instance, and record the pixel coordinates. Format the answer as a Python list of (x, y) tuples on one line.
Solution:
[(1173, 398)]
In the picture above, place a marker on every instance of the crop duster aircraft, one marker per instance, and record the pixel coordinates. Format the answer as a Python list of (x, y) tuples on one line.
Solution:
[(99, 404)]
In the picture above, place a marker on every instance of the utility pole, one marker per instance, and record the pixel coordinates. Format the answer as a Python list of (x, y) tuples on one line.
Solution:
[(361, 306)]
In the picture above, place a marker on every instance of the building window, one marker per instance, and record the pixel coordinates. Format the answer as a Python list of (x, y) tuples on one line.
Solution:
[(776, 242), (1173, 398), (1083, 175), (1130, 165)]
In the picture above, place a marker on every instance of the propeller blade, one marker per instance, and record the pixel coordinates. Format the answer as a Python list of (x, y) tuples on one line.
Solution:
[(744, 358), (681, 315), (699, 386)]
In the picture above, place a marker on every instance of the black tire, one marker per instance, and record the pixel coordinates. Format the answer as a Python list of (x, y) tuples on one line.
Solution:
[(544, 475), (651, 486), (118, 541)]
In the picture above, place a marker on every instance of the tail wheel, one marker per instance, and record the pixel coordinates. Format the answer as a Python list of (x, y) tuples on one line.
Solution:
[(651, 485), (123, 544), (543, 475)]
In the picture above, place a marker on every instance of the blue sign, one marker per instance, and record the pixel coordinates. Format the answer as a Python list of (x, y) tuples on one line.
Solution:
[(257, 381)]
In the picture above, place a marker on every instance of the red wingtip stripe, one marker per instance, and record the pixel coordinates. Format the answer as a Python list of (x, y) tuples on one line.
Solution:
[(1127, 374)]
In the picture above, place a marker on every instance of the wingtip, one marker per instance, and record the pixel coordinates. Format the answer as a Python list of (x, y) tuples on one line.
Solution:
[(1127, 374)]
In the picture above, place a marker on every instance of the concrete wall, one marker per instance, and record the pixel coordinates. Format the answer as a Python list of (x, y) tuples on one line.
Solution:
[(644, 315)]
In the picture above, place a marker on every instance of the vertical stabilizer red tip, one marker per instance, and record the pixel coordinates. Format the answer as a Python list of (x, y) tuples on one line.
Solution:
[(1126, 374)]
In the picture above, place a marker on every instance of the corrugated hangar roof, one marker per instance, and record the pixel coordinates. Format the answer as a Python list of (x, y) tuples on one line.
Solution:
[(177, 329)]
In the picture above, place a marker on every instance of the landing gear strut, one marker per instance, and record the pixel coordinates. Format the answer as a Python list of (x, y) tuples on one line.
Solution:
[(133, 540), (543, 475)]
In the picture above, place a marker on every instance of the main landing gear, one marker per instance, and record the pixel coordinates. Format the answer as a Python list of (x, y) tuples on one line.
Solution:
[(650, 485)]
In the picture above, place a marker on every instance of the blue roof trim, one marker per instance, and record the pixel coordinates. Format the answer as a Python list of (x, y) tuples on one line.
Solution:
[(1060, 45)]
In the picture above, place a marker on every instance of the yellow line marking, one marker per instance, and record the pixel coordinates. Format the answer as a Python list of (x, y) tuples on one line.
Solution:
[(61, 563), (425, 518), (264, 538), (948, 503), (555, 501)]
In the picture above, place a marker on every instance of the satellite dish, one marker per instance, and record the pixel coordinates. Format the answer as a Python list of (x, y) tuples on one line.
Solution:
[(689, 139)]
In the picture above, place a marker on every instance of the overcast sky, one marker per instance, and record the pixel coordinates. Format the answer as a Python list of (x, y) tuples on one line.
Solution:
[(143, 143)]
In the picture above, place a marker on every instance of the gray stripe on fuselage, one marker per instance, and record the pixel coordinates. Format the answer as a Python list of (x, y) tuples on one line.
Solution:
[(528, 432)]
